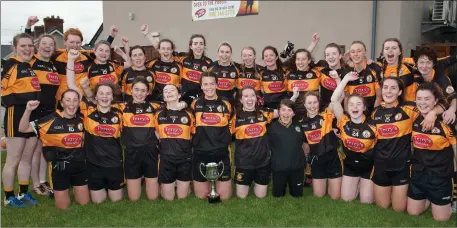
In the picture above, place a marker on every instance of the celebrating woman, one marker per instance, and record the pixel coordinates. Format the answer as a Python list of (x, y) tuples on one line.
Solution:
[(61, 134), (19, 85), (212, 137), (272, 78), (103, 125), (359, 138), (433, 162), (174, 127)]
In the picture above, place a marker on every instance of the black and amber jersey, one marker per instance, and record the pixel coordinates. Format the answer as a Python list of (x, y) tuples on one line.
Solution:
[(443, 82), (366, 85), (274, 86), (394, 126), (319, 133), (49, 81), (19, 83), (175, 128), (249, 76), (167, 73), (212, 118), (138, 127), (226, 79), (433, 149), (102, 135), (99, 73), (306, 81), (62, 138), (406, 72), (358, 140), (127, 78), (251, 144), (327, 85), (192, 69), (60, 59)]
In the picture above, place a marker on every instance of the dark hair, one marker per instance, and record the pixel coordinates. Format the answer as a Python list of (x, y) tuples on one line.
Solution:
[(207, 74), (69, 91), (433, 88), (114, 87), (429, 52), (136, 47), (177, 88), (400, 84), (239, 105), (288, 103), (292, 64), (140, 80), (400, 57), (19, 36), (190, 53), (168, 41), (278, 61), (334, 45), (243, 67)]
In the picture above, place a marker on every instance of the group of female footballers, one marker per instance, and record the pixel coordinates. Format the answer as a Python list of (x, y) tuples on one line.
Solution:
[(380, 130)]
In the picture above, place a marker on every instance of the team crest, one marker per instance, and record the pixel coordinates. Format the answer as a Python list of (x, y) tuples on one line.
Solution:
[(149, 78), (398, 116), (366, 134), (111, 68), (184, 120), (80, 126), (369, 78), (297, 128), (239, 176), (435, 130), (220, 108), (174, 70), (321, 122), (204, 69), (114, 119), (233, 75), (309, 75), (449, 89)]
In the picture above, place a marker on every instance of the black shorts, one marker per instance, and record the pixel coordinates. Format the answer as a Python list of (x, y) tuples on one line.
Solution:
[(202, 157), (11, 121), (427, 185), (141, 161), (355, 170), (383, 177), (111, 178), (293, 178), (327, 166), (247, 176), (74, 174), (172, 169)]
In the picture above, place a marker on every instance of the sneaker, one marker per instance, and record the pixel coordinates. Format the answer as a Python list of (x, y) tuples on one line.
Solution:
[(454, 207), (40, 190), (28, 198), (14, 202), (50, 191)]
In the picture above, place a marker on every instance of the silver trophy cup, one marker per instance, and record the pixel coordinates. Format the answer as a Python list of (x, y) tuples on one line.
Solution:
[(212, 174)]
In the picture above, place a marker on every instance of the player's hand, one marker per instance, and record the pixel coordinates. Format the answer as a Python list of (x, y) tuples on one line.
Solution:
[(32, 105)]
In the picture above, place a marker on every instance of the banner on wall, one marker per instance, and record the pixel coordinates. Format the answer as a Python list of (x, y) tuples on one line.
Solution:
[(207, 10)]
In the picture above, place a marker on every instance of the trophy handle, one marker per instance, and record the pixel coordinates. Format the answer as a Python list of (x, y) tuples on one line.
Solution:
[(223, 167), (200, 168)]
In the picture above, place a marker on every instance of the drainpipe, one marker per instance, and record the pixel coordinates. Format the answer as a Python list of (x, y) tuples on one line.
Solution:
[(373, 29)]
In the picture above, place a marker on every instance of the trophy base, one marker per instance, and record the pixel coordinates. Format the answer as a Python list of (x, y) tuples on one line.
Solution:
[(214, 199)]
